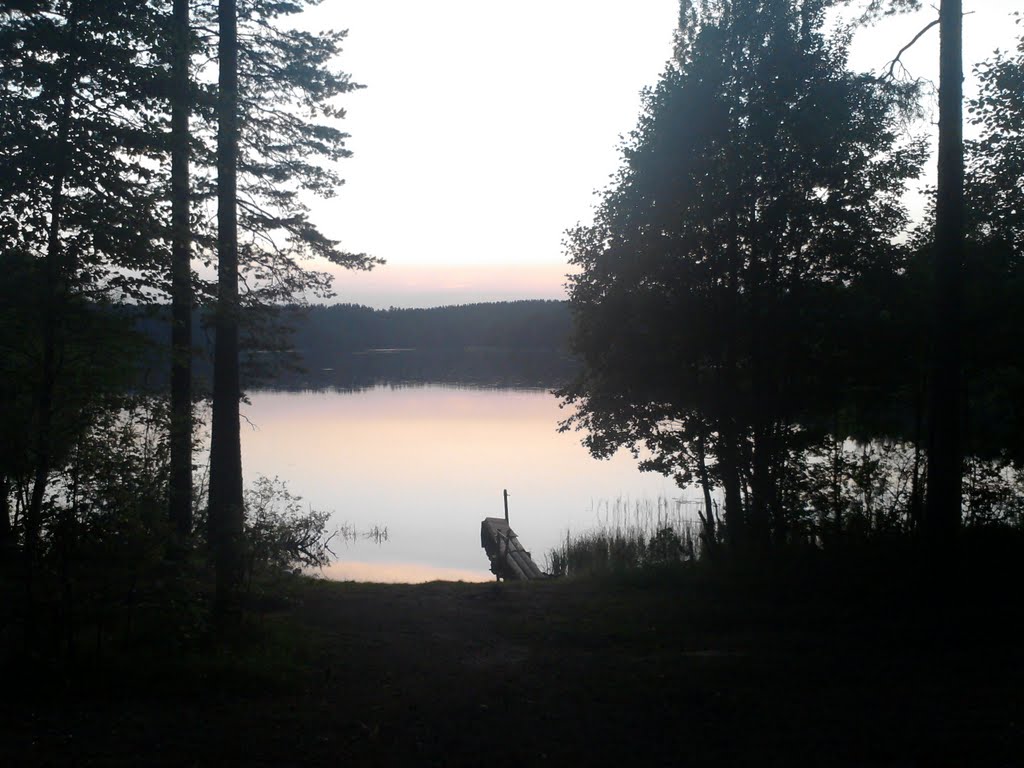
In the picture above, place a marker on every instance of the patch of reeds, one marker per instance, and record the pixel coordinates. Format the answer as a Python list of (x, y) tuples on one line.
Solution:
[(350, 534), (630, 534)]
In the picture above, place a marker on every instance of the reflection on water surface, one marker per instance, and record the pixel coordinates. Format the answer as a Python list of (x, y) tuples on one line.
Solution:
[(430, 462)]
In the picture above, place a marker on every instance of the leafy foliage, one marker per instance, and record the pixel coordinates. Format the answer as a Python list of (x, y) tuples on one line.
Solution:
[(97, 355), (280, 535), (760, 189)]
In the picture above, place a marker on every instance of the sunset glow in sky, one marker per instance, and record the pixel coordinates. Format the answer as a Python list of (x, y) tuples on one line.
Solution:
[(485, 129)]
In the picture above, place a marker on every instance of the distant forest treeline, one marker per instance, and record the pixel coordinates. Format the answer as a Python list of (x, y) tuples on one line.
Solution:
[(514, 324), (510, 343)]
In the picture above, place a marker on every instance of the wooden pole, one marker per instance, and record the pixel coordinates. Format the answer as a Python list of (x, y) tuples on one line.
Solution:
[(504, 493)]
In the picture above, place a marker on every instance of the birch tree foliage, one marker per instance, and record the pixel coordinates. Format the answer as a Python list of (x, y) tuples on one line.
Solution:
[(763, 177)]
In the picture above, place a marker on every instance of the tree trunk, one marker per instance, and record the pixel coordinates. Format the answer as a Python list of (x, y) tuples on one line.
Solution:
[(762, 408), (916, 495), (180, 486), (942, 510), (709, 534), (779, 498), (761, 485), (58, 270), (837, 475), (6, 529), (735, 520), (729, 454), (226, 511)]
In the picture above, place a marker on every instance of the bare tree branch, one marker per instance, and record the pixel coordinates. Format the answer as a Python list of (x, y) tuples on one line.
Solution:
[(896, 61)]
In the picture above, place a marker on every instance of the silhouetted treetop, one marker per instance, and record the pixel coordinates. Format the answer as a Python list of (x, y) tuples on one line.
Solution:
[(763, 182)]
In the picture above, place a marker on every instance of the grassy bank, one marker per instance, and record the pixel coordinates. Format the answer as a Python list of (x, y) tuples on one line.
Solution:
[(850, 662)]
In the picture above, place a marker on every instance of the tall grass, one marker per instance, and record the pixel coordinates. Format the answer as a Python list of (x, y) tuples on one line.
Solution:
[(630, 534)]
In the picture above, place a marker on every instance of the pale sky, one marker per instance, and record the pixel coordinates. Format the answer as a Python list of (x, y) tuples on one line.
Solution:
[(486, 127)]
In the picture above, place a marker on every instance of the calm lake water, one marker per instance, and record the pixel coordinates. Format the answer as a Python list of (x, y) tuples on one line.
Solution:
[(429, 462)]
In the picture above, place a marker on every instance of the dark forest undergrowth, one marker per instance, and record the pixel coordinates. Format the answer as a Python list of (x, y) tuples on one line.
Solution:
[(870, 658)]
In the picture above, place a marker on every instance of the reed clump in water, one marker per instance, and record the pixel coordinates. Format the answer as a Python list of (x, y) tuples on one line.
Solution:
[(629, 534)]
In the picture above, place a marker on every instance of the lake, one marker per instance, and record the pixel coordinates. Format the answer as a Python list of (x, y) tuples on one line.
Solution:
[(429, 462)]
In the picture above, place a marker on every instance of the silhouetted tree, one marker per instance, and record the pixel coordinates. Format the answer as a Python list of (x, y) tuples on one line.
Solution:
[(97, 357), (77, 192), (763, 181), (276, 141), (288, 145), (226, 510), (994, 300), (996, 159), (180, 425), (945, 380), (945, 406)]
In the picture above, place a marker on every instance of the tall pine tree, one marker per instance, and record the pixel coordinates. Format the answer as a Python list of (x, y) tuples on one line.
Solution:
[(79, 108), (180, 483), (946, 397), (226, 502), (277, 142)]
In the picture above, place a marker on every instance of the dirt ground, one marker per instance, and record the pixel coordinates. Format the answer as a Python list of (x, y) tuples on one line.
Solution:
[(617, 673)]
